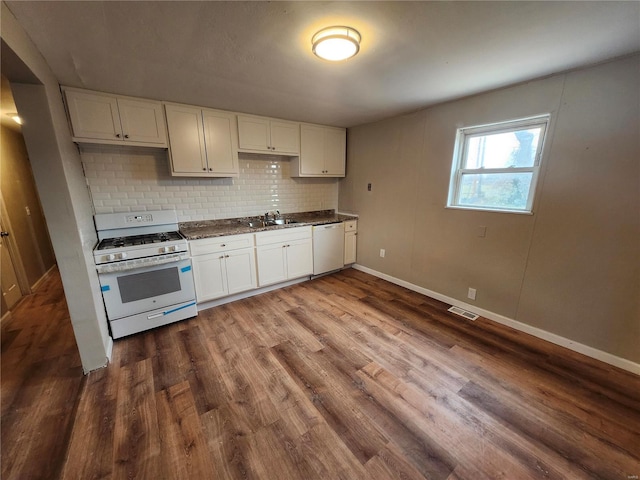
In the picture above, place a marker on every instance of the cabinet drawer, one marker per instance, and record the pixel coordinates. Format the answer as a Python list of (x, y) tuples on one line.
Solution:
[(220, 244), (351, 226), (281, 236)]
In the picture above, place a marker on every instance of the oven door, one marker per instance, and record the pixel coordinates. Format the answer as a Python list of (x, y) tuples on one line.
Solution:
[(143, 289)]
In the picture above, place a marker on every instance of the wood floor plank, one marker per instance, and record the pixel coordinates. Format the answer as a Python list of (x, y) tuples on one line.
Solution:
[(227, 433), (90, 454), (185, 453), (136, 437), (345, 376), (334, 404), (203, 375)]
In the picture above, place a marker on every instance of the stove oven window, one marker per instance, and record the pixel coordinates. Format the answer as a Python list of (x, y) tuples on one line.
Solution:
[(140, 286)]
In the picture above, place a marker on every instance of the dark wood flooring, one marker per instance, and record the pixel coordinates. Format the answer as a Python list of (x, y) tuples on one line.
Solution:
[(343, 377)]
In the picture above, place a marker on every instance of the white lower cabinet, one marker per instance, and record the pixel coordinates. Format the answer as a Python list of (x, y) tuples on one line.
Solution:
[(350, 241), (223, 266), (284, 255)]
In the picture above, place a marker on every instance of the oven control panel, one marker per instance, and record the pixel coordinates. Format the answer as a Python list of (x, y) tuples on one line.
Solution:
[(139, 218)]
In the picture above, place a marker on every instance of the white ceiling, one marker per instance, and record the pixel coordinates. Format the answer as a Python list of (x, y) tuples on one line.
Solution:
[(256, 56)]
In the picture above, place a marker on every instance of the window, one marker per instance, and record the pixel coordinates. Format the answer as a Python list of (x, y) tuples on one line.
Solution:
[(495, 167)]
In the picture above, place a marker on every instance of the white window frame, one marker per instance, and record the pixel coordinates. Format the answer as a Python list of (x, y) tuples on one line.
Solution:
[(462, 141)]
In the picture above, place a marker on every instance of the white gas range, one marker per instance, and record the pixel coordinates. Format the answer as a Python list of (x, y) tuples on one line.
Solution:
[(144, 269)]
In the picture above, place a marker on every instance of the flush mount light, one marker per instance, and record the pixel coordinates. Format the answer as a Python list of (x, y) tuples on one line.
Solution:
[(15, 117), (336, 43)]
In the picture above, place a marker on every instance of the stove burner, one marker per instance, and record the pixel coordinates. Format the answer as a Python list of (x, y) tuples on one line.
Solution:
[(133, 240)]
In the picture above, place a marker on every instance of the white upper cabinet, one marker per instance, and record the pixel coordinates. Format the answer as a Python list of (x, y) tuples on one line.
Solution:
[(202, 142), (103, 118), (260, 134), (220, 141), (322, 152)]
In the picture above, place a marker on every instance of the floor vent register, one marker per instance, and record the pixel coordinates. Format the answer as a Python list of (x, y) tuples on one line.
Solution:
[(464, 313)]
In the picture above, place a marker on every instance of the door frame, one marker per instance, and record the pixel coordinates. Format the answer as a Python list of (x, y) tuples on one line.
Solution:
[(13, 250)]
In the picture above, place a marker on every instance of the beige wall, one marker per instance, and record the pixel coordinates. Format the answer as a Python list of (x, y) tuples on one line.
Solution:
[(19, 191), (57, 170), (573, 267)]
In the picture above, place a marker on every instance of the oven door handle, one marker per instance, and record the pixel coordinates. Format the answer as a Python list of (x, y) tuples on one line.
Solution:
[(128, 265)]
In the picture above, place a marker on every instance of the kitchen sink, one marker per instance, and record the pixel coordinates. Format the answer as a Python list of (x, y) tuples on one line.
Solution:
[(284, 221), (270, 223)]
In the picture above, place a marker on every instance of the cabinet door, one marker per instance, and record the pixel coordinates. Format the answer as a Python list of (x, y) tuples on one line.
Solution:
[(94, 115), (142, 121), (285, 137), (209, 276), (241, 270), (220, 144), (335, 146), (186, 140), (253, 133), (311, 150), (299, 258), (271, 264), (350, 239)]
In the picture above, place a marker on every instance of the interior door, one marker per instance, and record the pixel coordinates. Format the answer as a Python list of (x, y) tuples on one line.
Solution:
[(9, 279)]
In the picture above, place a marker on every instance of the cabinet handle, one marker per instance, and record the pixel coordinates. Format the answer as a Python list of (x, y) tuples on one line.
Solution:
[(126, 136), (117, 135), (204, 168), (221, 257), (223, 245), (226, 256), (288, 245), (211, 169), (284, 246)]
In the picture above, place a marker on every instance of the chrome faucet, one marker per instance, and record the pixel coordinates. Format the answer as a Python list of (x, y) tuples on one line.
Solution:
[(272, 215)]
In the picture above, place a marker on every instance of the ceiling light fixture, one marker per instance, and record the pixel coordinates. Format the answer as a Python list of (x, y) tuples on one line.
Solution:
[(15, 117), (336, 43)]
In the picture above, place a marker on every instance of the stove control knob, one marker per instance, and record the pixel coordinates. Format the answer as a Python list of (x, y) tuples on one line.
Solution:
[(122, 255), (110, 258)]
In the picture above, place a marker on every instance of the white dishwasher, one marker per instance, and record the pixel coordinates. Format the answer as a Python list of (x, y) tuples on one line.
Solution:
[(328, 247)]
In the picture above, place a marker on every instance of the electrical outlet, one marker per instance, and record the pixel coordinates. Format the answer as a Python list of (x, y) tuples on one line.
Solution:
[(482, 231), (472, 293), (382, 253), (368, 187)]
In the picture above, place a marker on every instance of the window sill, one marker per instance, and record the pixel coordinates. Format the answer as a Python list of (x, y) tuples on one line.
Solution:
[(488, 209)]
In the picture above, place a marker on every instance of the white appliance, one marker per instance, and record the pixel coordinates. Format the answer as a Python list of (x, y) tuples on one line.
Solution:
[(328, 247), (144, 269)]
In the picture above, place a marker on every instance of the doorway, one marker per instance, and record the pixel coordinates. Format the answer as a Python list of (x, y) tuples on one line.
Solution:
[(26, 251), (11, 292)]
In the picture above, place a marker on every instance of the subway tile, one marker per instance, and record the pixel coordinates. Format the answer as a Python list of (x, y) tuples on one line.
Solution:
[(146, 181)]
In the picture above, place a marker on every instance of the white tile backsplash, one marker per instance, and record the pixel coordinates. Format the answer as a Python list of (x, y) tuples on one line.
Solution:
[(122, 179)]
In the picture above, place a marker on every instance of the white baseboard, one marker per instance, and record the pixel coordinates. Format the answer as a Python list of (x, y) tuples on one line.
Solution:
[(46, 274), (605, 357), (109, 349), (6, 316)]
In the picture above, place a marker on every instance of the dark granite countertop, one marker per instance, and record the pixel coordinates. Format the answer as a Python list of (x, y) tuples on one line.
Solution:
[(235, 226)]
